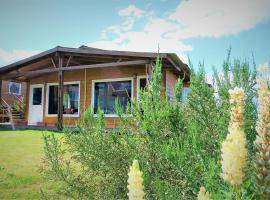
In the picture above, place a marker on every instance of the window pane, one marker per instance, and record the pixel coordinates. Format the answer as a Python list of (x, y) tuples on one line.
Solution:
[(37, 96), (14, 88), (53, 99), (185, 93), (106, 93), (142, 83), (71, 99)]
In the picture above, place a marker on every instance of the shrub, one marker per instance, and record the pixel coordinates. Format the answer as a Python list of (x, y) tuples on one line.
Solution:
[(177, 143)]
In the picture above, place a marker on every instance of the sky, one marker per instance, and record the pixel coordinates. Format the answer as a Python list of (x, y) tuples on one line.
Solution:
[(201, 30)]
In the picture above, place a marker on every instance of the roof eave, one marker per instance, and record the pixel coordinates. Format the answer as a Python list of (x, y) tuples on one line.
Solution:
[(27, 60)]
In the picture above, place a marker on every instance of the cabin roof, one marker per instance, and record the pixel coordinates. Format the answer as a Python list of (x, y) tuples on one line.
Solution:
[(99, 55)]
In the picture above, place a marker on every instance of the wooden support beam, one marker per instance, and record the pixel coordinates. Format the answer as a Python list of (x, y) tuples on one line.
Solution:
[(60, 95), (113, 64), (148, 69), (173, 63), (54, 65), (51, 70), (0, 92), (69, 59)]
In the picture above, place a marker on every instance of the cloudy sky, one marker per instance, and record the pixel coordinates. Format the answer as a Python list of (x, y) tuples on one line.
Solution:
[(202, 30)]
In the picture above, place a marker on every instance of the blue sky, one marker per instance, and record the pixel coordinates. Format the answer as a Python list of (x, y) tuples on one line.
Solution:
[(200, 29)]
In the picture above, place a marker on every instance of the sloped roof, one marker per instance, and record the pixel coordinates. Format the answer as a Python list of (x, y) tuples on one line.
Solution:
[(85, 50)]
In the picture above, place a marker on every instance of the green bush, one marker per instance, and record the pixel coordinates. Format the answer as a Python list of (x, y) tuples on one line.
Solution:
[(177, 143)]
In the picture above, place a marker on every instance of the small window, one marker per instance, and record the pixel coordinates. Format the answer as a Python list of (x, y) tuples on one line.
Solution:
[(15, 88), (141, 84), (105, 94), (185, 92), (37, 96)]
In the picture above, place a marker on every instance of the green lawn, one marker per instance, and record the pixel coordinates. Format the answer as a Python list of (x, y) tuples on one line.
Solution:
[(21, 154)]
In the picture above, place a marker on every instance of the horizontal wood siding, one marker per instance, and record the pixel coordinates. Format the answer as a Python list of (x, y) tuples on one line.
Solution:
[(9, 98), (91, 74), (170, 82)]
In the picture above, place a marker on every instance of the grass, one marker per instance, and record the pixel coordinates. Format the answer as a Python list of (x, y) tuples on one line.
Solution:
[(21, 153)]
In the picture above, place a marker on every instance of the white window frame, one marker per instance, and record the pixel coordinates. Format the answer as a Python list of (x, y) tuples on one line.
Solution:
[(109, 80), (20, 90), (138, 85), (47, 99)]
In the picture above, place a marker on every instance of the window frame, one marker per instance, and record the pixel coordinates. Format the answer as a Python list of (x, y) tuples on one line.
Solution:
[(109, 80), (20, 88), (47, 99)]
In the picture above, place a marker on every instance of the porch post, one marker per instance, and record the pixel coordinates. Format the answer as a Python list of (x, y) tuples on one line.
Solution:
[(0, 91), (60, 95), (148, 70)]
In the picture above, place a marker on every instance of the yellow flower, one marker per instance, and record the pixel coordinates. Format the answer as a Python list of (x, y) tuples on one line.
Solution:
[(263, 67), (262, 142), (135, 182), (234, 152), (203, 194), (234, 155)]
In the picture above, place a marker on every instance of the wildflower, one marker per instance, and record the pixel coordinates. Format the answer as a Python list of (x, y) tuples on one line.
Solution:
[(262, 142), (203, 194), (263, 67), (135, 182), (234, 152)]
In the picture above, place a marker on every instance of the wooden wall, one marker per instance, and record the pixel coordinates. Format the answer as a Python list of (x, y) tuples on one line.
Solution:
[(170, 81), (86, 87), (9, 98)]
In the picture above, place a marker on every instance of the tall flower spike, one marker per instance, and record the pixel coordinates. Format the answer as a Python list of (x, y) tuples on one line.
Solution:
[(135, 182), (234, 152), (203, 194), (262, 142)]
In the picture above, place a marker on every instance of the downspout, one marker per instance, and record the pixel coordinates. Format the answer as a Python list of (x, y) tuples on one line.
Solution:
[(85, 90)]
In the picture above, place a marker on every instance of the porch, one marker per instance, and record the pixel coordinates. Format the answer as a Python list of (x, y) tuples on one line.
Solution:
[(63, 82)]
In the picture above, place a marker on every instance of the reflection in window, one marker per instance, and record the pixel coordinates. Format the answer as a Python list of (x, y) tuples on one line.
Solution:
[(53, 99), (14, 88), (37, 96), (70, 99), (105, 94), (185, 92), (142, 83)]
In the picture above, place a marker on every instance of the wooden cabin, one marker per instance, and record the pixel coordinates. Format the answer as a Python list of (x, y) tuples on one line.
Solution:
[(62, 82)]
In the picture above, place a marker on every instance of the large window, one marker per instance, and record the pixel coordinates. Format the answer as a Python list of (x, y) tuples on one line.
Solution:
[(71, 99), (14, 88), (106, 92)]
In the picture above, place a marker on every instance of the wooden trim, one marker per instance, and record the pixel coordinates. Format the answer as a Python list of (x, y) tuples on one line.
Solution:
[(110, 80), (113, 64), (173, 63), (1, 92), (48, 85), (85, 89), (28, 60), (60, 96), (69, 59), (102, 52), (54, 65), (51, 70)]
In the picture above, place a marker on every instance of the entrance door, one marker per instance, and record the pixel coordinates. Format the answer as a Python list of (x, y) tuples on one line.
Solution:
[(35, 104)]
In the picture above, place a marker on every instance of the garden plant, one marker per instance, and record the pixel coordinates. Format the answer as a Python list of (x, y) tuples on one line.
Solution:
[(202, 147)]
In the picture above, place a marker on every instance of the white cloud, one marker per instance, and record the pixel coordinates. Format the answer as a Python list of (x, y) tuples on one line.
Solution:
[(192, 18), (14, 55), (214, 18), (131, 10)]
